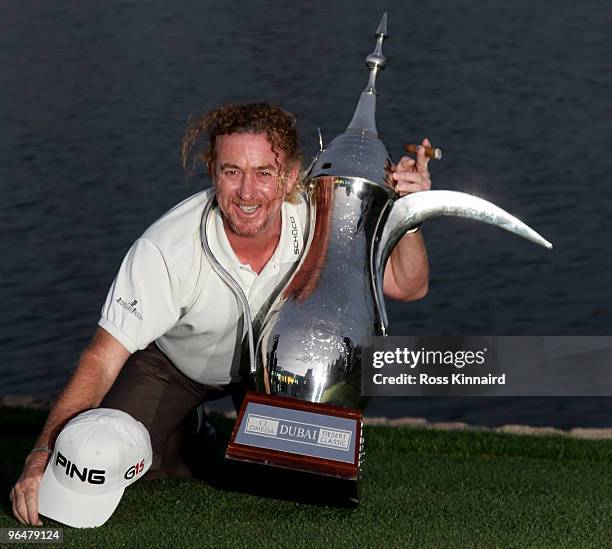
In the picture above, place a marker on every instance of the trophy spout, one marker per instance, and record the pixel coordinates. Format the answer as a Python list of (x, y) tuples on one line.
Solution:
[(409, 211)]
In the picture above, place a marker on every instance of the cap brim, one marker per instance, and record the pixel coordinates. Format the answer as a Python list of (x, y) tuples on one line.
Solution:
[(77, 510)]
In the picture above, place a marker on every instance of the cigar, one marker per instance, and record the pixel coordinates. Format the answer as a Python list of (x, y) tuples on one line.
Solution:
[(430, 152)]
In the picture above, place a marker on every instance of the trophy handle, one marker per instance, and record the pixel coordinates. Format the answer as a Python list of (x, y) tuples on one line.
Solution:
[(411, 210)]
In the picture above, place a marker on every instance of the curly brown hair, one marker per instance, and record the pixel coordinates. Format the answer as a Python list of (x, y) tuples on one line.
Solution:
[(276, 123)]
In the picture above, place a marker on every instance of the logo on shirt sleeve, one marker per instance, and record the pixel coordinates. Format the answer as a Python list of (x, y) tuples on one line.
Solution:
[(130, 307)]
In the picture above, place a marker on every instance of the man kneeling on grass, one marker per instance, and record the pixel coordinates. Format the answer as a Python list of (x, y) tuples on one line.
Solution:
[(167, 340)]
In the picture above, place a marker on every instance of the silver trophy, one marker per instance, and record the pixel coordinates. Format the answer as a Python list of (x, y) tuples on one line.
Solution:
[(310, 344)]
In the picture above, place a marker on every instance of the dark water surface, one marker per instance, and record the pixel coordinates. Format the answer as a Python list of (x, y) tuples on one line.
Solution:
[(94, 97)]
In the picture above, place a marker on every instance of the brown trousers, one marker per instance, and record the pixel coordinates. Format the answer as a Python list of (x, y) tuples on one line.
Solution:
[(153, 391)]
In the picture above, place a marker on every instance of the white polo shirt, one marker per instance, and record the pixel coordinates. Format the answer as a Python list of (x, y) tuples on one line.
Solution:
[(166, 290)]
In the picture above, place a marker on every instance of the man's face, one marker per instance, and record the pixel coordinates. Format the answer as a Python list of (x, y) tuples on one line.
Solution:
[(247, 176)]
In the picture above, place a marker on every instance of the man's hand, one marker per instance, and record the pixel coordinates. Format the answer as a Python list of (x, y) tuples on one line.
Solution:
[(24, 494), (411, 176), (407, 271), (98, 367)]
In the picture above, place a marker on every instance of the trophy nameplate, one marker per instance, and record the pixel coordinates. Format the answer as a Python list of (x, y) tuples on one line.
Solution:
[(296, 434)]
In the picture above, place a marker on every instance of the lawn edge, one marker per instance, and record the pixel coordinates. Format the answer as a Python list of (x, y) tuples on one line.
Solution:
[(43, 403)]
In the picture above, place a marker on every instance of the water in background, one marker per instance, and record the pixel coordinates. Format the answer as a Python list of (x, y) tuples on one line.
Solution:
[(93, 103)]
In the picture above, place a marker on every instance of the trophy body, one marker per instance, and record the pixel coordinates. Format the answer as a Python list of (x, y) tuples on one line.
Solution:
[(310, 345)]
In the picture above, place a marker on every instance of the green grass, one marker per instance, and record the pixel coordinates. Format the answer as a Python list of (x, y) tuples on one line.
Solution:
[(420, 488)]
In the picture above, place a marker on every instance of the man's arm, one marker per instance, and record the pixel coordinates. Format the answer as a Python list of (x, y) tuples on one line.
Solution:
[(407, 271), (98, 367)]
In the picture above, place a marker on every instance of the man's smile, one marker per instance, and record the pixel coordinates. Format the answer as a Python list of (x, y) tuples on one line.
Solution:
[(248, 208)]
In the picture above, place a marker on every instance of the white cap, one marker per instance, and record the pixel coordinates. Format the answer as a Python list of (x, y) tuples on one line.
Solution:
[(97, 454)]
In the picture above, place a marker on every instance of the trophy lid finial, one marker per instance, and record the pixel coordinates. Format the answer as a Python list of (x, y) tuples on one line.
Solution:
[(382, 26), (358, 151), (365, 113)]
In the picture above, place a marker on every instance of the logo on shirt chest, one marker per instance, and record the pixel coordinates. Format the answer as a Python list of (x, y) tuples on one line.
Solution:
[(294, 235)]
